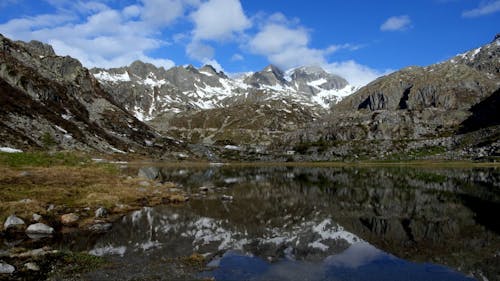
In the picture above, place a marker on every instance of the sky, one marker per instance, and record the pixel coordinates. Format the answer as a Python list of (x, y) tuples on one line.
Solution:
[(359, 40)]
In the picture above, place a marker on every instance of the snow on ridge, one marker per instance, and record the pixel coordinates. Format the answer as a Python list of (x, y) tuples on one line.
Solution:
[(106, 76), (206, 73), (317, 83)]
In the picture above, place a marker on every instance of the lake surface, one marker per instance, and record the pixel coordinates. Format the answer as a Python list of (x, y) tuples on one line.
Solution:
[(314, 223)]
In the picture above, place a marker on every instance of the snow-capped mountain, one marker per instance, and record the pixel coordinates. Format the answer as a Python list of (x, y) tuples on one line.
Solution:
[(147, 91)]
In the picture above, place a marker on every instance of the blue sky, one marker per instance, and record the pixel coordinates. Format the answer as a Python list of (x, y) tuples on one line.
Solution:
[(359, 40)]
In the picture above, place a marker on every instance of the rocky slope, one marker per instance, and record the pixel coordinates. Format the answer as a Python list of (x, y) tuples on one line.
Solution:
[(147, 91), (415, 110), (50, 101)]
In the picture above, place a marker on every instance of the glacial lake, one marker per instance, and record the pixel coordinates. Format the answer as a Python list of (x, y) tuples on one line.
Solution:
[(313, 223)]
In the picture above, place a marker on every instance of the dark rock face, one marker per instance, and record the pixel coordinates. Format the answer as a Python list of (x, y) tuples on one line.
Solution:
[(52, 101), (270, 76), (311, 80), (415, 108)]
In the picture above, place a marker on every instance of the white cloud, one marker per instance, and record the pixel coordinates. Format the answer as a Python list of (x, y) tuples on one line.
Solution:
[(103, 38), (219, 20), (396, 23), (485, 8), (287, 45), (215, 64), (237, 57), (200, 51), (355, 73)]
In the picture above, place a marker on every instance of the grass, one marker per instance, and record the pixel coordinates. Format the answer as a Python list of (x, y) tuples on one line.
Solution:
[(42, 159), (30, 182)]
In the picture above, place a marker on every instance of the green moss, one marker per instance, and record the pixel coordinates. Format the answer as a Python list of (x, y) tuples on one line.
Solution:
[(77, 262)]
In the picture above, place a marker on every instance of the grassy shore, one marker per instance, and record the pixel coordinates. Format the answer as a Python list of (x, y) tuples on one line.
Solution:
[(33, 182)]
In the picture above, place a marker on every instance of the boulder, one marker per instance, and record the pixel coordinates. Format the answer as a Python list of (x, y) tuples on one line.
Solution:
[(39, 228), (6, 268), (14, 223), (69, 219), (101, 212), (32, 266)]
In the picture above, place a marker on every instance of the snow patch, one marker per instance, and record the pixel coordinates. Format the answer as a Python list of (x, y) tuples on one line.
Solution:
[(10, 150), (106, 76)]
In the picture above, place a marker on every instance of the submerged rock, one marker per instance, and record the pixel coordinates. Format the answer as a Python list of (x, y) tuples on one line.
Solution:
[(6, 268), (101, 227), (14, 223), (39, 228)]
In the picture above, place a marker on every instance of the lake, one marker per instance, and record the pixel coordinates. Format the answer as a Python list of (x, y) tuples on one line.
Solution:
[(313, 223)]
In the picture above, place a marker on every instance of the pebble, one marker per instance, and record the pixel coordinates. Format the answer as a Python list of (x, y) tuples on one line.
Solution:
[(227, 197), (36, 217), (144, 183)]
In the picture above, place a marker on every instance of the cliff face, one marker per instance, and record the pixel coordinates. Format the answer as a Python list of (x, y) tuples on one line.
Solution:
[(415, 108), (53, 102)]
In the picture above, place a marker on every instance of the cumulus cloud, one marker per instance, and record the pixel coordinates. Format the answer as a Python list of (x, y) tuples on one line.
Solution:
[(212, 24), (104, 37), (485, 8), (355, 73), (287, 44), (200, 51), (396, 23)]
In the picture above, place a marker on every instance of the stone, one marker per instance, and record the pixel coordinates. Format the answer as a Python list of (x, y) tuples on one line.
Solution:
[(70, 219), (39, 228), (14, 223), (144, 183), (101, 212), (203, 188), (32, 266), (100, 227), (150, 173), (226, 197), (36, 217), (6, 268), (51, 207)]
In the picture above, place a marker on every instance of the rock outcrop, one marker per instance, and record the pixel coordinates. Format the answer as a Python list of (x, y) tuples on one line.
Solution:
[(50, 101), (414, 109)]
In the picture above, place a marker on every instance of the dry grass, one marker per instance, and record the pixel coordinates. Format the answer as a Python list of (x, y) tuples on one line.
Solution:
[(33, 189)]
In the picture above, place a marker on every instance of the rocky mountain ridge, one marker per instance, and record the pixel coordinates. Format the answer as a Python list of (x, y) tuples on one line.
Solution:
[(53, 102), (419, 110), (148, 91)]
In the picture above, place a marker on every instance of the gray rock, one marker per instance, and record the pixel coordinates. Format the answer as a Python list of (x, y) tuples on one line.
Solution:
[(13, 223), (6, 268), (226, 197), (32, 266), (101, 227), (150, 173), (36, 217), (101, 212), (144, 183), (69, 219), (39, 228)]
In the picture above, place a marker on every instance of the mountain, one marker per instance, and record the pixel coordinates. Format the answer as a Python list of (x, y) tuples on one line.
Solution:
[(416, 111), (147, 91), (49, 101)]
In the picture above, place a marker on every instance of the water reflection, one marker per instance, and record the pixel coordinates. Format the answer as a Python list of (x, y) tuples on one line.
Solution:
[(332, 221)]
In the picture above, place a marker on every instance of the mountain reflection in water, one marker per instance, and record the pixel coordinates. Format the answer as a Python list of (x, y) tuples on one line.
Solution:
[(299, 223)]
